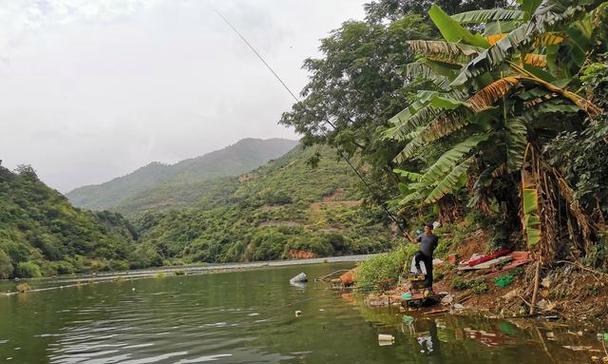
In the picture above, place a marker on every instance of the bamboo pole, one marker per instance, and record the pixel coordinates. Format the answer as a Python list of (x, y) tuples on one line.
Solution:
[(535, 292)]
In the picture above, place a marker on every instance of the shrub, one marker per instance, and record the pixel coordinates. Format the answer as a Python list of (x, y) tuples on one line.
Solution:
[(23, 287), (145, 255), (62, 267), (119, 265), (477, 285), (374, 273), (6, 267), (28, 270), (98, 265)]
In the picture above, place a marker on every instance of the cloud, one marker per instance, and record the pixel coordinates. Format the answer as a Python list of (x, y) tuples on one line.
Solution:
[(96, 89), (21, 19)]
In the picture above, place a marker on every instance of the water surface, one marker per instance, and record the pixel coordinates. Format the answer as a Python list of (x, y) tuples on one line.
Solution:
[(249, 317)]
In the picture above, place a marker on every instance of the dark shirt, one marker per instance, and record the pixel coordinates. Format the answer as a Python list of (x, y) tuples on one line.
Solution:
[(428, 243)]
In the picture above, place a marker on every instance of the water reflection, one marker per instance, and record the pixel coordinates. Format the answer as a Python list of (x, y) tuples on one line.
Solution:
[(248, 317)]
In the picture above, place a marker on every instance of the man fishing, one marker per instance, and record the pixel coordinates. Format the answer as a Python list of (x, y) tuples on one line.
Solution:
[(428, 242)]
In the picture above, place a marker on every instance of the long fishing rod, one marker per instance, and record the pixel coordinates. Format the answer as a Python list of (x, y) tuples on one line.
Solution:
[(297, 99)]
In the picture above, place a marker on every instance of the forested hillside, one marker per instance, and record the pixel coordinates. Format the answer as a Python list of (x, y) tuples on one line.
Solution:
[(287, 208), (284, 209), (159, 186), (42, 234)]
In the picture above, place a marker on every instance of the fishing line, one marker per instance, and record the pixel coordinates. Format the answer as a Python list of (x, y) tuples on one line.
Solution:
[(392, 217)]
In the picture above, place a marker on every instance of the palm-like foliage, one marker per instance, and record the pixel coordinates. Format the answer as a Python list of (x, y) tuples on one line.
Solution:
[(510, 83)]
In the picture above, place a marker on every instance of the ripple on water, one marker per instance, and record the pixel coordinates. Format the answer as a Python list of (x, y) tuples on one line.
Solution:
[(203, 359)]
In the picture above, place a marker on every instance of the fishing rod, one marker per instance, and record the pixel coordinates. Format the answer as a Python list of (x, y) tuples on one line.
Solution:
[(390, 215)]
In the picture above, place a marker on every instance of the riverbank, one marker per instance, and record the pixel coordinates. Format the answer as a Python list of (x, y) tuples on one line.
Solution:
[(567, 292), (76, 280)]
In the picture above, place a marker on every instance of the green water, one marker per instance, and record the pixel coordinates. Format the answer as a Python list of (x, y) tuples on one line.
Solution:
[(249, 317)]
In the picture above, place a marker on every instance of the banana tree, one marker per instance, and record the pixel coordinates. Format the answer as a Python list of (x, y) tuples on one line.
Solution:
[(501, 81)]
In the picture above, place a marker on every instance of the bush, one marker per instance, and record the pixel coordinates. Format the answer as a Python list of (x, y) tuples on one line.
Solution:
[(6, 267), (28, 270), (374, 273), (477, 285), (119, 265), (98, 265), (62, 267), (145, 255), (23, 287)]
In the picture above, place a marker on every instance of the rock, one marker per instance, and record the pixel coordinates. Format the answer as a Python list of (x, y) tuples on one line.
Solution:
[(437, 261), (447, 299), (458, 306), (511, 294), (546, 305)]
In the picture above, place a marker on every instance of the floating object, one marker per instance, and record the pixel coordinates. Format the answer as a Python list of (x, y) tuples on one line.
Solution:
[(406, 296), (298, 313), (385, 339), (408, 319), (300, 278)]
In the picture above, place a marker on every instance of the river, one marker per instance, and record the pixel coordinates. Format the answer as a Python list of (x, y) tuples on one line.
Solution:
[(249, 317)]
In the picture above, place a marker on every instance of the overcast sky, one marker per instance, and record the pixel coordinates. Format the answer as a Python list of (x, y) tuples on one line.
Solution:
[(93, 89)]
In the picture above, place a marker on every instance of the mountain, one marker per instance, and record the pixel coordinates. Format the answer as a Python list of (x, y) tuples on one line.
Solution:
[(41, 233), (233, 160), (284, 209)]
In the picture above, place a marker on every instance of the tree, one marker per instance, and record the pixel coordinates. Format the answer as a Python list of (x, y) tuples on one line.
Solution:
[(381, 10), (6, 267), (354, 89), (494, 100), (27, 171)]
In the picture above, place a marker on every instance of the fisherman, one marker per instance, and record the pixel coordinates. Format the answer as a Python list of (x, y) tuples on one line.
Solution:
[(428, 242)]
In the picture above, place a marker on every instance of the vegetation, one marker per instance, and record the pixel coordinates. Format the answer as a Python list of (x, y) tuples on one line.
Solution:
[(284, 209), (278, 211), (501, 116), (492, 102), (490, 119), (42, 234), (160, 186), (382, 271)]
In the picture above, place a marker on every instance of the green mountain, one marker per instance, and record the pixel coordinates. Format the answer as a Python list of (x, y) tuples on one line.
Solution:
[(284, 209), (159, 185), (42, 234)]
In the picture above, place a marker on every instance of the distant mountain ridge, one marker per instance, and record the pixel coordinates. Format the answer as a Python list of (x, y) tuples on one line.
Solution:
[(243, 156), (285, 209)]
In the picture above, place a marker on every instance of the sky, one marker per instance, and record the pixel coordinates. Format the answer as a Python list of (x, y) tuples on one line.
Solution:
[(94, 89)]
